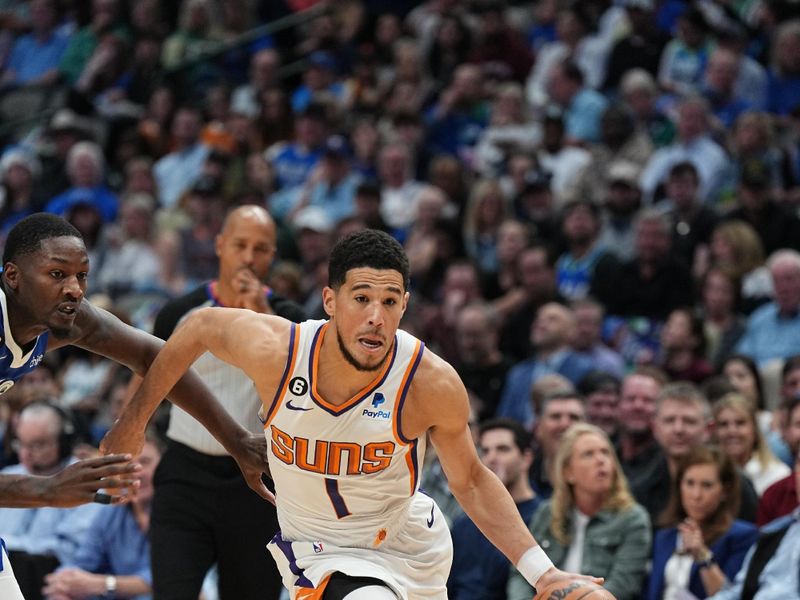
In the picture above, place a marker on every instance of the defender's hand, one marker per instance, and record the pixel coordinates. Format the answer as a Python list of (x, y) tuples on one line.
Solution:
[(251, 456), (79, 483)]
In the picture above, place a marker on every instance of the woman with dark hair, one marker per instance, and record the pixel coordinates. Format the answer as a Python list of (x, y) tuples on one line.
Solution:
[(450, 47), (701, 545), (742, 372), (683, 347)]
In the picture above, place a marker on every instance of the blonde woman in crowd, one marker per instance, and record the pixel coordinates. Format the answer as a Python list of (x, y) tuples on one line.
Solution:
[(740, 437), (591, 523)]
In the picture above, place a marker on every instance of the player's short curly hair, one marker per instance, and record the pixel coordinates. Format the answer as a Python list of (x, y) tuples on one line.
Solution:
[(27, 236), (367, 248)]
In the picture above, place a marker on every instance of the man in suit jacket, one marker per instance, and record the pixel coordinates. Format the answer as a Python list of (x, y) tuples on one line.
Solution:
[(551, 334)]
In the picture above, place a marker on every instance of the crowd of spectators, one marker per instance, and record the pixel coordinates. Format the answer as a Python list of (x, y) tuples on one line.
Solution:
[(600, 202)]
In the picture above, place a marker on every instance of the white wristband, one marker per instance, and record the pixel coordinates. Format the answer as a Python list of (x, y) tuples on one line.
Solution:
[(533, 564)]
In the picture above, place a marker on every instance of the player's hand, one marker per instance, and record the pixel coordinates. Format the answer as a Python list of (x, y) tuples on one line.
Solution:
[(79, 483), (124, 437), (552, 575), (251, 456)]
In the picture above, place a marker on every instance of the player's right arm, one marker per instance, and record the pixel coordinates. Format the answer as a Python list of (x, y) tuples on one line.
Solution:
[(257, 344), (76, 484)]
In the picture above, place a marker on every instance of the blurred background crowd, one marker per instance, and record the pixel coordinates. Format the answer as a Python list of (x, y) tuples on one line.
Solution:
[(600, 202)]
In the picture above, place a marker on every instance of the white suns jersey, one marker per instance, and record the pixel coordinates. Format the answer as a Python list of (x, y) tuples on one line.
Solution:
[(342, 473)]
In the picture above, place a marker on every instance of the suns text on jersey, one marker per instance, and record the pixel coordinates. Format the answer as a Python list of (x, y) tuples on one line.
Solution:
[(331, 458)]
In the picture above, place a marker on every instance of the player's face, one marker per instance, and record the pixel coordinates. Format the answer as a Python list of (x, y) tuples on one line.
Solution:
[(50, 283), (366, 311)]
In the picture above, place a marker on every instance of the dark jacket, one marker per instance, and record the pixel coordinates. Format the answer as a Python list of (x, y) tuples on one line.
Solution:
[(729, 552)]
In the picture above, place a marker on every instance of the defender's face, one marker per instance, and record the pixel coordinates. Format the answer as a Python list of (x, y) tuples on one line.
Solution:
[(366, 311), (50, 283)]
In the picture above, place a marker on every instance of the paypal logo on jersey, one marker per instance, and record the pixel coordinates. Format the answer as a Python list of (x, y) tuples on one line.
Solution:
[(377, 413)]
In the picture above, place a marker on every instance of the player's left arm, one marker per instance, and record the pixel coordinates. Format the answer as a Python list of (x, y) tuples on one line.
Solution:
[(441, 405), (479, 492), (101, 332)]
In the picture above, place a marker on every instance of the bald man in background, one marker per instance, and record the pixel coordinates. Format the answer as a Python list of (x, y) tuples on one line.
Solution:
[(551, 335), (203, 510)]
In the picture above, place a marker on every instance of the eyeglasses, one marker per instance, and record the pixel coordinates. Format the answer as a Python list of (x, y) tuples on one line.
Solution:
[(34, 446)]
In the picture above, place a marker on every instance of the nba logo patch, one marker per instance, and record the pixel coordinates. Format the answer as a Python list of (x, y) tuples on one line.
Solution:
[(317, 547)]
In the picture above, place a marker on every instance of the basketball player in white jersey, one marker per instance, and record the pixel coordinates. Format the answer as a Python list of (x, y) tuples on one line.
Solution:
[(347, 406)]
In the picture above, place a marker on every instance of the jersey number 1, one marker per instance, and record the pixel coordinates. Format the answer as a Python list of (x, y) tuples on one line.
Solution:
[(339, 506)]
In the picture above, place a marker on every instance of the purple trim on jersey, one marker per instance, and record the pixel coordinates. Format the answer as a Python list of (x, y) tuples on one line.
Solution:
[(288, 552), (403, 394), (332, 487), (366, 393), (286, 373), (413, 451)]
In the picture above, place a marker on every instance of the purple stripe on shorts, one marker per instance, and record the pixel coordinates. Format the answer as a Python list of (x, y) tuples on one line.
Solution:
[(288, 552)]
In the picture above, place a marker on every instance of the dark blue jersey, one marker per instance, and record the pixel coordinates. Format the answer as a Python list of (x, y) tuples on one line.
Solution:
[(14, 362)]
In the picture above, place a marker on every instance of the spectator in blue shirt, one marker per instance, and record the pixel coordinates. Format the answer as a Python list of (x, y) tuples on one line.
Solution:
[(583, 107), (459, 117), (551, 334), (319, 78), (332, 184), (294, 161), (773, 331), (85, 167), (722, 72), (783, 95), (35, 56), (113, 560)]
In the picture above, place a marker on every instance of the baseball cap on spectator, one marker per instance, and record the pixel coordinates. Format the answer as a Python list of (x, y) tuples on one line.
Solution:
[(322, 60), (207, 185), (336, 146), (623, 172), (313, 218), (19, 157), (67, 120), (754, 175)]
